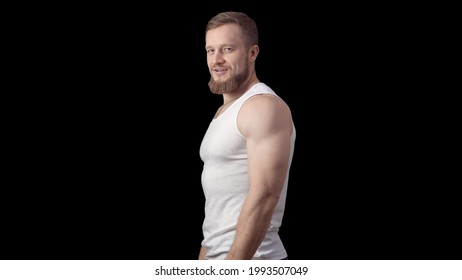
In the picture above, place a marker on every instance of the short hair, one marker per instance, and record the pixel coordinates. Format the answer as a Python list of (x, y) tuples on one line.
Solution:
[(246, 24)]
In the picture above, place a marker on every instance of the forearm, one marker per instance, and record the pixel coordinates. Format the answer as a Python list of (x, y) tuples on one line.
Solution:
[(202, 253), (252, 226)]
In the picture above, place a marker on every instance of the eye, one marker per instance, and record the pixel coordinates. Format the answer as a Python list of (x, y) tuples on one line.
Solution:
[(209, 51), (227, 50)]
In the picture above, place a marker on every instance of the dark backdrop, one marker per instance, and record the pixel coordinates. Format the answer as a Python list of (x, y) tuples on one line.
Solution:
[(106, 160)]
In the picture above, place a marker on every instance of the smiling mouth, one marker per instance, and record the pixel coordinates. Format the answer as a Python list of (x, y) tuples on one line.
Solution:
[(220, 70)]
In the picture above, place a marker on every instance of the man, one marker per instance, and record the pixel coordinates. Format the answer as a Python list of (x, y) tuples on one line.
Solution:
[(247, 149)]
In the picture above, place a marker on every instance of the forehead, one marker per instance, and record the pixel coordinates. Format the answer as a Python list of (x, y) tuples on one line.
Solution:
[(223, 35)]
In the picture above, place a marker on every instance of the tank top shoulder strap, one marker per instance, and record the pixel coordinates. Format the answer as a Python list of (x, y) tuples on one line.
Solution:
[(259, 88)]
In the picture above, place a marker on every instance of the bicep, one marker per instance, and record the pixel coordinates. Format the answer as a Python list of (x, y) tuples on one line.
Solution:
[(267, 127), (268, 159)]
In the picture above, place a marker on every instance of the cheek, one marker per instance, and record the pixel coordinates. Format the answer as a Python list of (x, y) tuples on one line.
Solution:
[(238, 68), (209, 62)]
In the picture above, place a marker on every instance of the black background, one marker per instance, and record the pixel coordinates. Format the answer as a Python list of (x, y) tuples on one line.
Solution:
[(114, 102)]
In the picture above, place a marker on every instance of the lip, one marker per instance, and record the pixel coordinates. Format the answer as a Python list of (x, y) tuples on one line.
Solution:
[(220, 71)]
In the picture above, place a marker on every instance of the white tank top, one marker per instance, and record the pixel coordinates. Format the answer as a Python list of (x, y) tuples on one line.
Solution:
[(225, 184)]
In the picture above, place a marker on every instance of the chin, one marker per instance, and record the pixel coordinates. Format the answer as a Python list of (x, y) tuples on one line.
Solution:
[(221, 79)]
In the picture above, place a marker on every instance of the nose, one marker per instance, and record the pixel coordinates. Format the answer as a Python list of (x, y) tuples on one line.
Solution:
[(217, 58)]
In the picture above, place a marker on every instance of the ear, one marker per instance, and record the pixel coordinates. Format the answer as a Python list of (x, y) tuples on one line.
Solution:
[(253, 52)]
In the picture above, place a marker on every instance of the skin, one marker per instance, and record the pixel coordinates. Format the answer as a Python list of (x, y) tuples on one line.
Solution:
[(266, 123)]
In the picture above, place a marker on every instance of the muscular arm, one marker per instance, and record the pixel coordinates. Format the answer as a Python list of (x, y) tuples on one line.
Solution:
[(265, 121)]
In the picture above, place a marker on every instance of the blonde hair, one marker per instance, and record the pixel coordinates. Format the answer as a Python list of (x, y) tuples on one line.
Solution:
[(246, 24)]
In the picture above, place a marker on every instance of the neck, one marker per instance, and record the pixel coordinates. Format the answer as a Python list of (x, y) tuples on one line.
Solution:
[(229, 97)]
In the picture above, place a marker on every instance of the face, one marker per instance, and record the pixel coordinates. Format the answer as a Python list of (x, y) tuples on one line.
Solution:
[(227, 58)]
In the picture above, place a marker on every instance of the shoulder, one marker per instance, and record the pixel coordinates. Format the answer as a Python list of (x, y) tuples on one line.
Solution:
[(264, 111), (264, 105)]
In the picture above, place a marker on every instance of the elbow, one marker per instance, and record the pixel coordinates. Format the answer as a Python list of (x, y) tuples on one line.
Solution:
[(270, 198)]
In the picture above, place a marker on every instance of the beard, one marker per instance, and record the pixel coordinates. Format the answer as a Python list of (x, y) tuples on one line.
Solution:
[(229, 85)]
